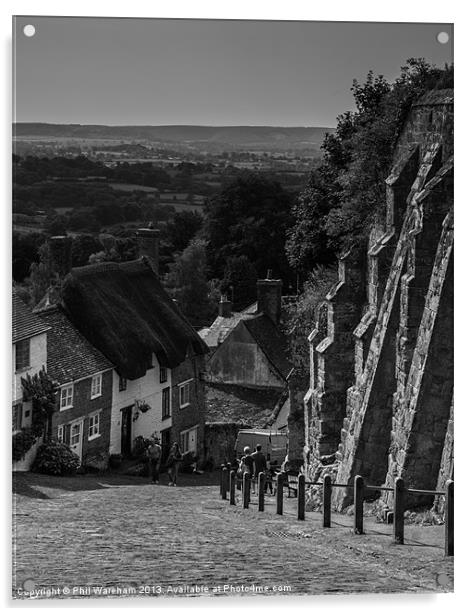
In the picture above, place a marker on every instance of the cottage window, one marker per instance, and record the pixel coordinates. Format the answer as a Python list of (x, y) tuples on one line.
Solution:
[(121, 383), (184, 394), (96, 386), (75, 434), (166, 403), (94, 426), (163, 375), (22, 355), (60, 433), (67, 395)]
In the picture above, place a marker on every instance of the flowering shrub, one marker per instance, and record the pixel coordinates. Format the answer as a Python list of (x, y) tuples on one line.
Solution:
[(54, 458), (22, 442)]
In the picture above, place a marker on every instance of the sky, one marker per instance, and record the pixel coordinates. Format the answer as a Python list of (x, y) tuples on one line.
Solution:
[(207, 72)]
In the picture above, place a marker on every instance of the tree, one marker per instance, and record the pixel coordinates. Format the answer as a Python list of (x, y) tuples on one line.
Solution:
[(239, 281), (182, 228), (187, 284), (249, 218), (82, 247), (346, 194), (25, 251)]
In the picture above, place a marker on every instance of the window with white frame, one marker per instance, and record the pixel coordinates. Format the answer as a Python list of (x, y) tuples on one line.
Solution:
[(22, 355), (76, 433), (94, 426), (60, 433), (184, 394), (67, 397), (96, 386)]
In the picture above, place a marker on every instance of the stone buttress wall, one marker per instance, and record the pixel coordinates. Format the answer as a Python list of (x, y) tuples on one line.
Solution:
[(385, 405)]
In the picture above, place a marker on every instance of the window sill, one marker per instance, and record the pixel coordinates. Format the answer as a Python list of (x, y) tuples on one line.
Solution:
[(165, 417), (183, 406), (92, 438), (21, 370), (96, 396), (66, 408)]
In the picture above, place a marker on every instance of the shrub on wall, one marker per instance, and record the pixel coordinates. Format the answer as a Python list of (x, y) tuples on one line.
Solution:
[(22, 442), (54, 458)]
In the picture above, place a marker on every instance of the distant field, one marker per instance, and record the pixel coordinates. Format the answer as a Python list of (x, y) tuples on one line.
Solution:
[(132, 187), (184, 207)]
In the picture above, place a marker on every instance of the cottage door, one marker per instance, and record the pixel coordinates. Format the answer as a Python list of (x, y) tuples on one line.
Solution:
[(126, 430), (76, 437), (193, 440)]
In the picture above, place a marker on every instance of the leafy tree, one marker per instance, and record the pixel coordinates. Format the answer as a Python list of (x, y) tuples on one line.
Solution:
[(24, 252), (182, 228), (82, 247), (345, 195), (187, 284), (248, 218), (239, 281)]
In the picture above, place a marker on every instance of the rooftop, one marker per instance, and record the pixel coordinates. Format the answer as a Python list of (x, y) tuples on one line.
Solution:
[(25, 324), (70, 356), (124, 311)]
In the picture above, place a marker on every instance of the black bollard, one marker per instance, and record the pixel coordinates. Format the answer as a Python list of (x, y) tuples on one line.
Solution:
[(279, 492), (224, 482), (261, 486), (449, 518), (246, 490), (327, 500), (359, 498), (398, 522), (232, 487), (222, 466), (301, 497)]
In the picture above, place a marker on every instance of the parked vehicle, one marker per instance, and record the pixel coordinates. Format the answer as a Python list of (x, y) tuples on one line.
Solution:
[(272, 442)]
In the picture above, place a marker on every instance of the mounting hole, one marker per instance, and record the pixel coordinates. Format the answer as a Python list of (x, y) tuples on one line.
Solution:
[(29, 30), (442, 37)]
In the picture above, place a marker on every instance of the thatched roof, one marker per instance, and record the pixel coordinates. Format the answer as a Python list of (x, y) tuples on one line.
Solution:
[(124, 311)]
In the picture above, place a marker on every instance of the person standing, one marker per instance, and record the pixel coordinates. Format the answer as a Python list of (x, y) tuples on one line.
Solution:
[(154, 452), (172, 463), (259, 462)]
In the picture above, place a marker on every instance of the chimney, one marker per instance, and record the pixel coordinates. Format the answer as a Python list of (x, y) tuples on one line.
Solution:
[(224, 307), (268, 294), (148, 244), (60, 254)]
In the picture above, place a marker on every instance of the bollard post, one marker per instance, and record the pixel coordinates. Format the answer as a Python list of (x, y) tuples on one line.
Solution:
[(279, 492), (261, 486), (301, 497), (327, 500), (232, 487), (222, 466), (398, 521), (246, 490), (359, 498), (449, 518), (224, 482)]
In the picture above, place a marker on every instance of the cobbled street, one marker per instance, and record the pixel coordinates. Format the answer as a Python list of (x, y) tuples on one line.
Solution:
[(114, 532)]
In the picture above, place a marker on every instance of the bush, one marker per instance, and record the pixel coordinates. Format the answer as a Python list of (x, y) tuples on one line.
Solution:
[(22, 443), (115, 460), (54, 458)]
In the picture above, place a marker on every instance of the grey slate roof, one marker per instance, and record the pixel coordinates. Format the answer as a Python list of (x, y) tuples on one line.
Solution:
[(70, 356), (25, 324)]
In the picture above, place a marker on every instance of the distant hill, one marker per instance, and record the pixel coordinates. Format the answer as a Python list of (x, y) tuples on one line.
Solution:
[(273, 137)]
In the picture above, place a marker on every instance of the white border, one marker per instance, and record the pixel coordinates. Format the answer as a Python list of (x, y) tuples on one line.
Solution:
[(342, 10)]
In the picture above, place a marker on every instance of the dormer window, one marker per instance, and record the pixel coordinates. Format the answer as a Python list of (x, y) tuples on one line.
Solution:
[(96, 386), (67, 397)]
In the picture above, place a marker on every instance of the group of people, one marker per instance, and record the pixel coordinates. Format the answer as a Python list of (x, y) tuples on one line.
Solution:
[(256, 463), (154, 454)]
